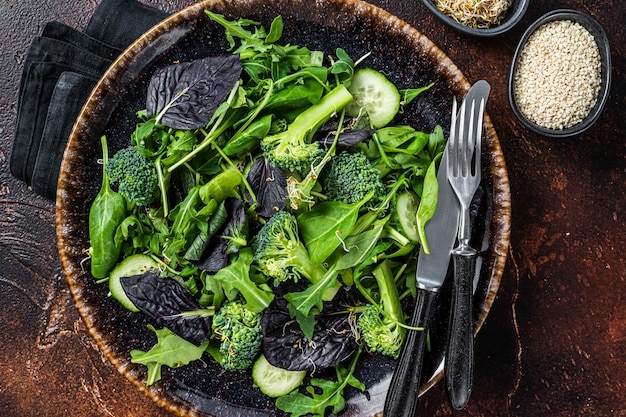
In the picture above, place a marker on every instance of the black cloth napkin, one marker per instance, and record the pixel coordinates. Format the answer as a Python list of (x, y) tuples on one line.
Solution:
[(61, 68)]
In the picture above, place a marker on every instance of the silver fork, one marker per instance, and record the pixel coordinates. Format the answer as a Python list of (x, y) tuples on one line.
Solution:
[(464, 175)]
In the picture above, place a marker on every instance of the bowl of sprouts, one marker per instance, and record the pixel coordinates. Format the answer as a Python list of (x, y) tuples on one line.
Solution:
[(481, 18), (239, 217)]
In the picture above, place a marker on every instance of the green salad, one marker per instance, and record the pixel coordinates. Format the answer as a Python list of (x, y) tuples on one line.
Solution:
[(266, 214)]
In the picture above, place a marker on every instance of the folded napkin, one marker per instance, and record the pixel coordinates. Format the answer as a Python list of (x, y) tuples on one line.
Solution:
[(61, 68)]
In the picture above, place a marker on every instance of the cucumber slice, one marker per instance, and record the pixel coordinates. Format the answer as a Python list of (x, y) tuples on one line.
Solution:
[(133, 265), (374, 92), (407, 204), (273, 381)]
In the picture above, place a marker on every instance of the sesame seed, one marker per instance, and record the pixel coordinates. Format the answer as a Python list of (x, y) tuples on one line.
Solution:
[(557, 78)]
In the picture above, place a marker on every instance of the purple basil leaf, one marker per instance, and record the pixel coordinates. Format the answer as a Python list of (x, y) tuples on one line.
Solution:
[(186, 95), (164, 299), (348, 138), (345, 139), (286, 346), (269, 186), (215, 257)]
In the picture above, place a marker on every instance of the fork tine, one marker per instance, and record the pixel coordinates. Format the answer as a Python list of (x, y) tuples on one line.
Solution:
[(453, 123), (452, 140), (469, 144), (479, 127), (457, 148)]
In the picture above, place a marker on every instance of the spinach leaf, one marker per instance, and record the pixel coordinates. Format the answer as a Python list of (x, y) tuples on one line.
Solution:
[(428, 203), (106, 214), (223, 185), (201, 242), (325, 226), (225, 238), (360, 246), (296, 96), (186, 95)]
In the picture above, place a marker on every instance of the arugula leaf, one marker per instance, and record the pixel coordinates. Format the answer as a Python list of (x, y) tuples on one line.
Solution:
[(313, 296), (276, 30), (315, 404), (186, 95), (171, 350), (344, 63), (235, 29), (237, 276), (322, 394), (410, 94)]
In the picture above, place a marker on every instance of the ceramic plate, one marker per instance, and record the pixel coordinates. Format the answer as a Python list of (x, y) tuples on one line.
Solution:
[(397, 49)]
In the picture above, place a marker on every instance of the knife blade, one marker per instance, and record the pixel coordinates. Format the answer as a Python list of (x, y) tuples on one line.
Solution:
[(432, 268), (459, 362)]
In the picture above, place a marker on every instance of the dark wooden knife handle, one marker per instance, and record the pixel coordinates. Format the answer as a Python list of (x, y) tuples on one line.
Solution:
[(404, 388), (459, 364)]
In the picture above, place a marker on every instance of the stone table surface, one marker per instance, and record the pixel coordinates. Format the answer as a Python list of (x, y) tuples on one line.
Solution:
[(555, 342)]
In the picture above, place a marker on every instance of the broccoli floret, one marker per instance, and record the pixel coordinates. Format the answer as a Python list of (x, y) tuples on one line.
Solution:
[(280, 152), (293, 150), (135, 176), (279, 252), (383, 332), (240, 332), (350, 177)]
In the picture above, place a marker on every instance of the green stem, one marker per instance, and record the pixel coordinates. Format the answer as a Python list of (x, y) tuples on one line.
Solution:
[(258, 109), (307, 122), (162, 187), (299, 74), (383, 155), (217, 129)]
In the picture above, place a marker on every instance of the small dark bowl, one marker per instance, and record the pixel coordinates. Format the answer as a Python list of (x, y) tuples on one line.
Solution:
[(511, 18), (602, 41)]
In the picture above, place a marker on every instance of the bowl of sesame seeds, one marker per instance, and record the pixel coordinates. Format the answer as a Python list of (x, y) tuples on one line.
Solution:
[(560, 74), (480, 18)]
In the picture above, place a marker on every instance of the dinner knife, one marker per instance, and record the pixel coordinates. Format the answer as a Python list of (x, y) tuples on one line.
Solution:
[(432, 268), (459, 362)]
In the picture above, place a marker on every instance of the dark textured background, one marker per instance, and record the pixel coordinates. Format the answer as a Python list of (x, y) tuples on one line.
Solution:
[(555, 341)]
